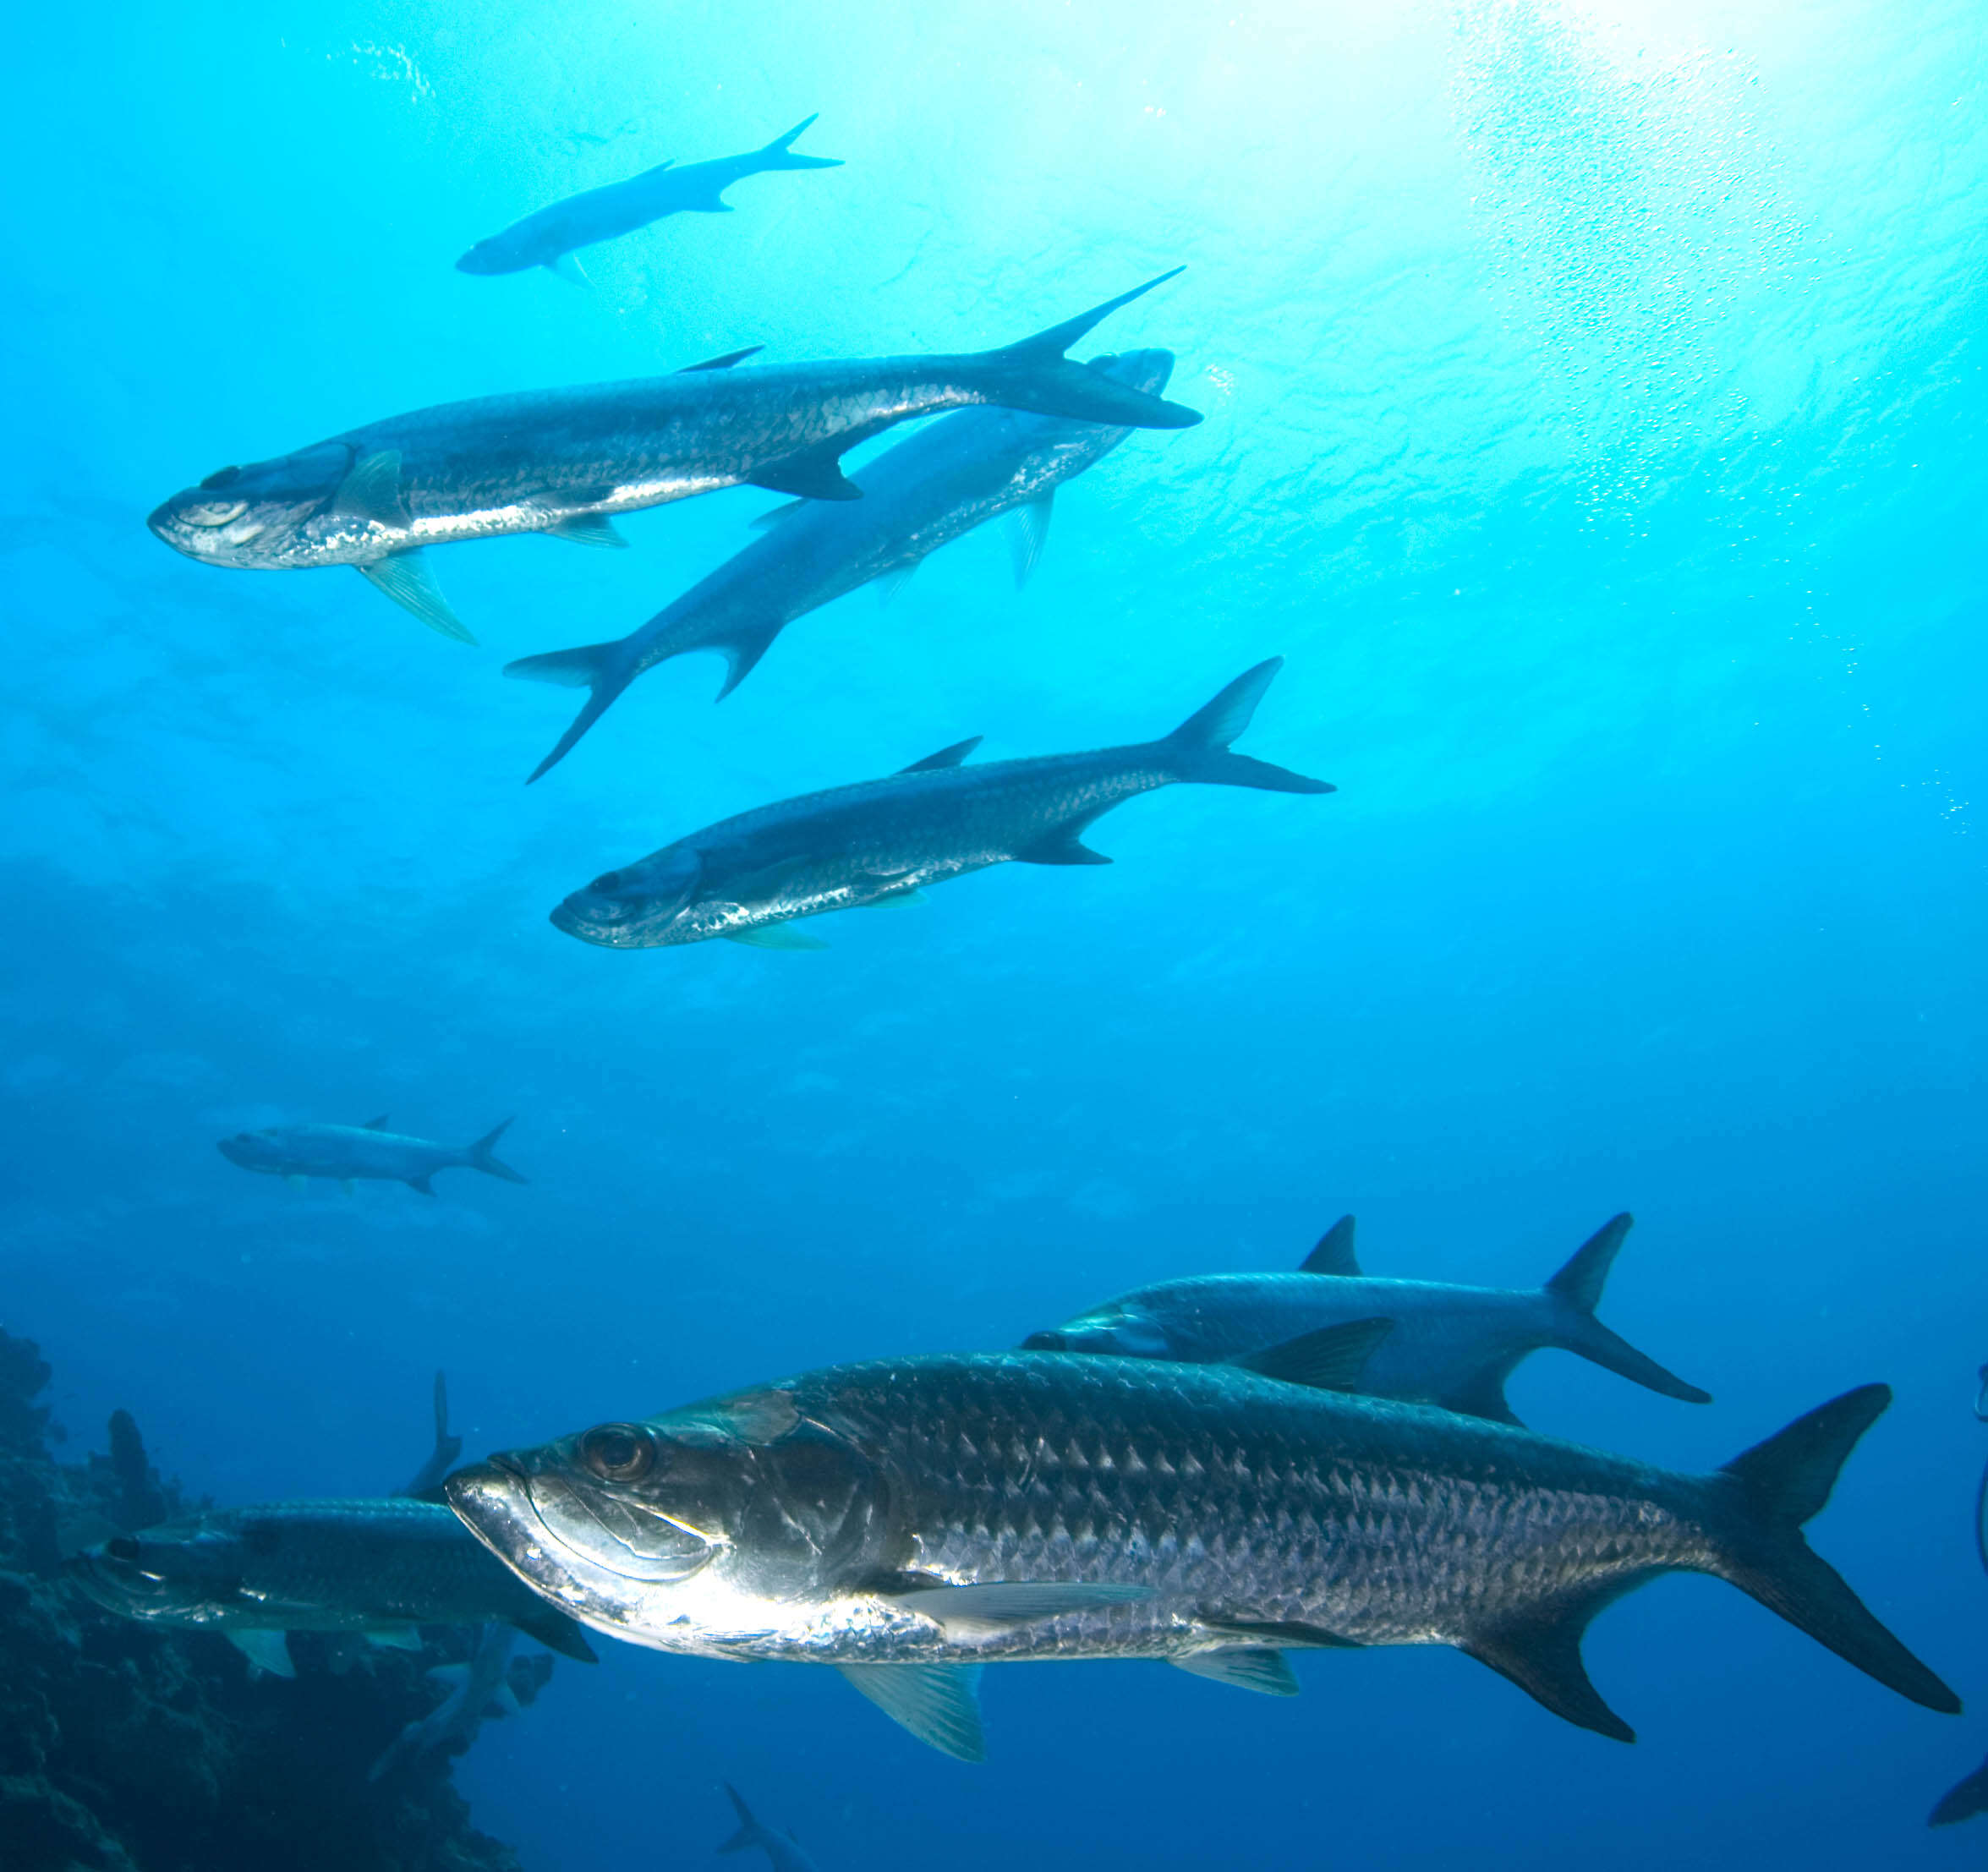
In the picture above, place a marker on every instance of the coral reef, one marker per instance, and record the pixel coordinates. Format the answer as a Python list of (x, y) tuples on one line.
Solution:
[(127, 1748)]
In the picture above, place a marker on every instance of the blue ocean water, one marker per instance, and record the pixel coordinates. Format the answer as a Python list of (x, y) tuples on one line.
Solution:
[(1595, 421)]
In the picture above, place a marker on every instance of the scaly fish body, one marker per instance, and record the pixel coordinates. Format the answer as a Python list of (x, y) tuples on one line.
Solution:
[(885, 1514), (885, 839), (924, 493), (335, 1566)]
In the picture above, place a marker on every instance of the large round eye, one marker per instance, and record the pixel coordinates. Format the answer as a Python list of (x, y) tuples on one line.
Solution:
[(618, 1452), (608, 880), (122, 1548)]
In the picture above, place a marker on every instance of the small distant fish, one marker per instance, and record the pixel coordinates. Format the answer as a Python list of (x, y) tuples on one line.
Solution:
[(783, 1852), (1450, 1345), (562, 462), (942, 482), (348, 1153), (382, 1567), (484, 1688), (909, 1520), (425, 1486), (880, 841), (549, 237)]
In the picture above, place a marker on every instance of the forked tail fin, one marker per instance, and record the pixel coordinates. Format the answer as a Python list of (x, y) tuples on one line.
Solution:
[(750, 1832), (1198, 749), (483, 1156), (1769, 1491), (1578, 1287), (777, 154), (1034, 374)]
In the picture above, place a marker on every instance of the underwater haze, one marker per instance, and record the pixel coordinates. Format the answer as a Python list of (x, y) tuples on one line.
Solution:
[(1596, 424)]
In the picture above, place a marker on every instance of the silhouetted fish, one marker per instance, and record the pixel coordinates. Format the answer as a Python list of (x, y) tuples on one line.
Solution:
[(783, 1852), (348, 1153), (546, 238), (881, 840), (940, 483), (907, 1519), (1453, 1346), (562, 460), (383, 1568)]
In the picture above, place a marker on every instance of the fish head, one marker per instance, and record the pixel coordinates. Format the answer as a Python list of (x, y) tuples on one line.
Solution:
[(257, 515), (641, 907), (1116, 1330), (187, 1574), (497, 254), (264, 1151), (686, 1531)]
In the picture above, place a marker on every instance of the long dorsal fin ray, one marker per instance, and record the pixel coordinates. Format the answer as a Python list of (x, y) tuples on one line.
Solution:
[(1334, 1253), (947, 756), (723, 361)]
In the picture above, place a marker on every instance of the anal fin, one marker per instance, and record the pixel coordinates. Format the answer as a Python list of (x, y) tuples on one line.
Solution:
[(265, 1650), (587, 529), (775, 936), (812, 474), (1064, 845), (1542, 1654)]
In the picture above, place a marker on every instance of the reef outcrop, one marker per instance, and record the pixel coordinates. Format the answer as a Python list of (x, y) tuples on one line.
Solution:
[(128, 1748)]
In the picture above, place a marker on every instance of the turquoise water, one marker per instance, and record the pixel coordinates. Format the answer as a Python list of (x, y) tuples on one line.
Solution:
[(1595, 421)]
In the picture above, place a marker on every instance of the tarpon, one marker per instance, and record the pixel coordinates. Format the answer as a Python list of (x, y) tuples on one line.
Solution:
[(473, 1692), (880, 841), (562, 462), (546, 238), (349, 1152), (1451, 1345), (783, 1850), (907, 1519), (927, 491), (382, 1567)]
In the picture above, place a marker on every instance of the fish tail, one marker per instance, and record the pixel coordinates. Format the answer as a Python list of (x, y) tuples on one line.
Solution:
[(1034, 374), (1766, 1494), (603, 668), (750, 1831), (1578, 1288), (776, 154), (1198, 749), (1963, 1800), (483, 1156)]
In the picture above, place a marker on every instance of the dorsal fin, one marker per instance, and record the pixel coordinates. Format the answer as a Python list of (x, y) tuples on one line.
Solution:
[(724, 363), (1334, 1253), (377, 1124), (1580, 1282), (953, 756)]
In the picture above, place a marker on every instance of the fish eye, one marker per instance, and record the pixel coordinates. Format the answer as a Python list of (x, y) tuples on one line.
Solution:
[(619, 1452), (1044, 1342), (122, 1548), (221, 478), (608, 880)]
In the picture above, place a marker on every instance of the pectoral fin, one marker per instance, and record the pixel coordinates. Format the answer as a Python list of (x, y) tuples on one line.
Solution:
[(938, 1703), (394, 1637), (265, 1650), (891, 583), (1028, 527), (968, 1611), (423, 1183), (568, 269), (775, 936), (371, 489), (1248, 1667), (406, 579), (1332, 1359), (813, 474)]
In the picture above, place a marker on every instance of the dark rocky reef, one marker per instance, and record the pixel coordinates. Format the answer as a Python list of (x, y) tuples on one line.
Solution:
[(126, 1748)]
